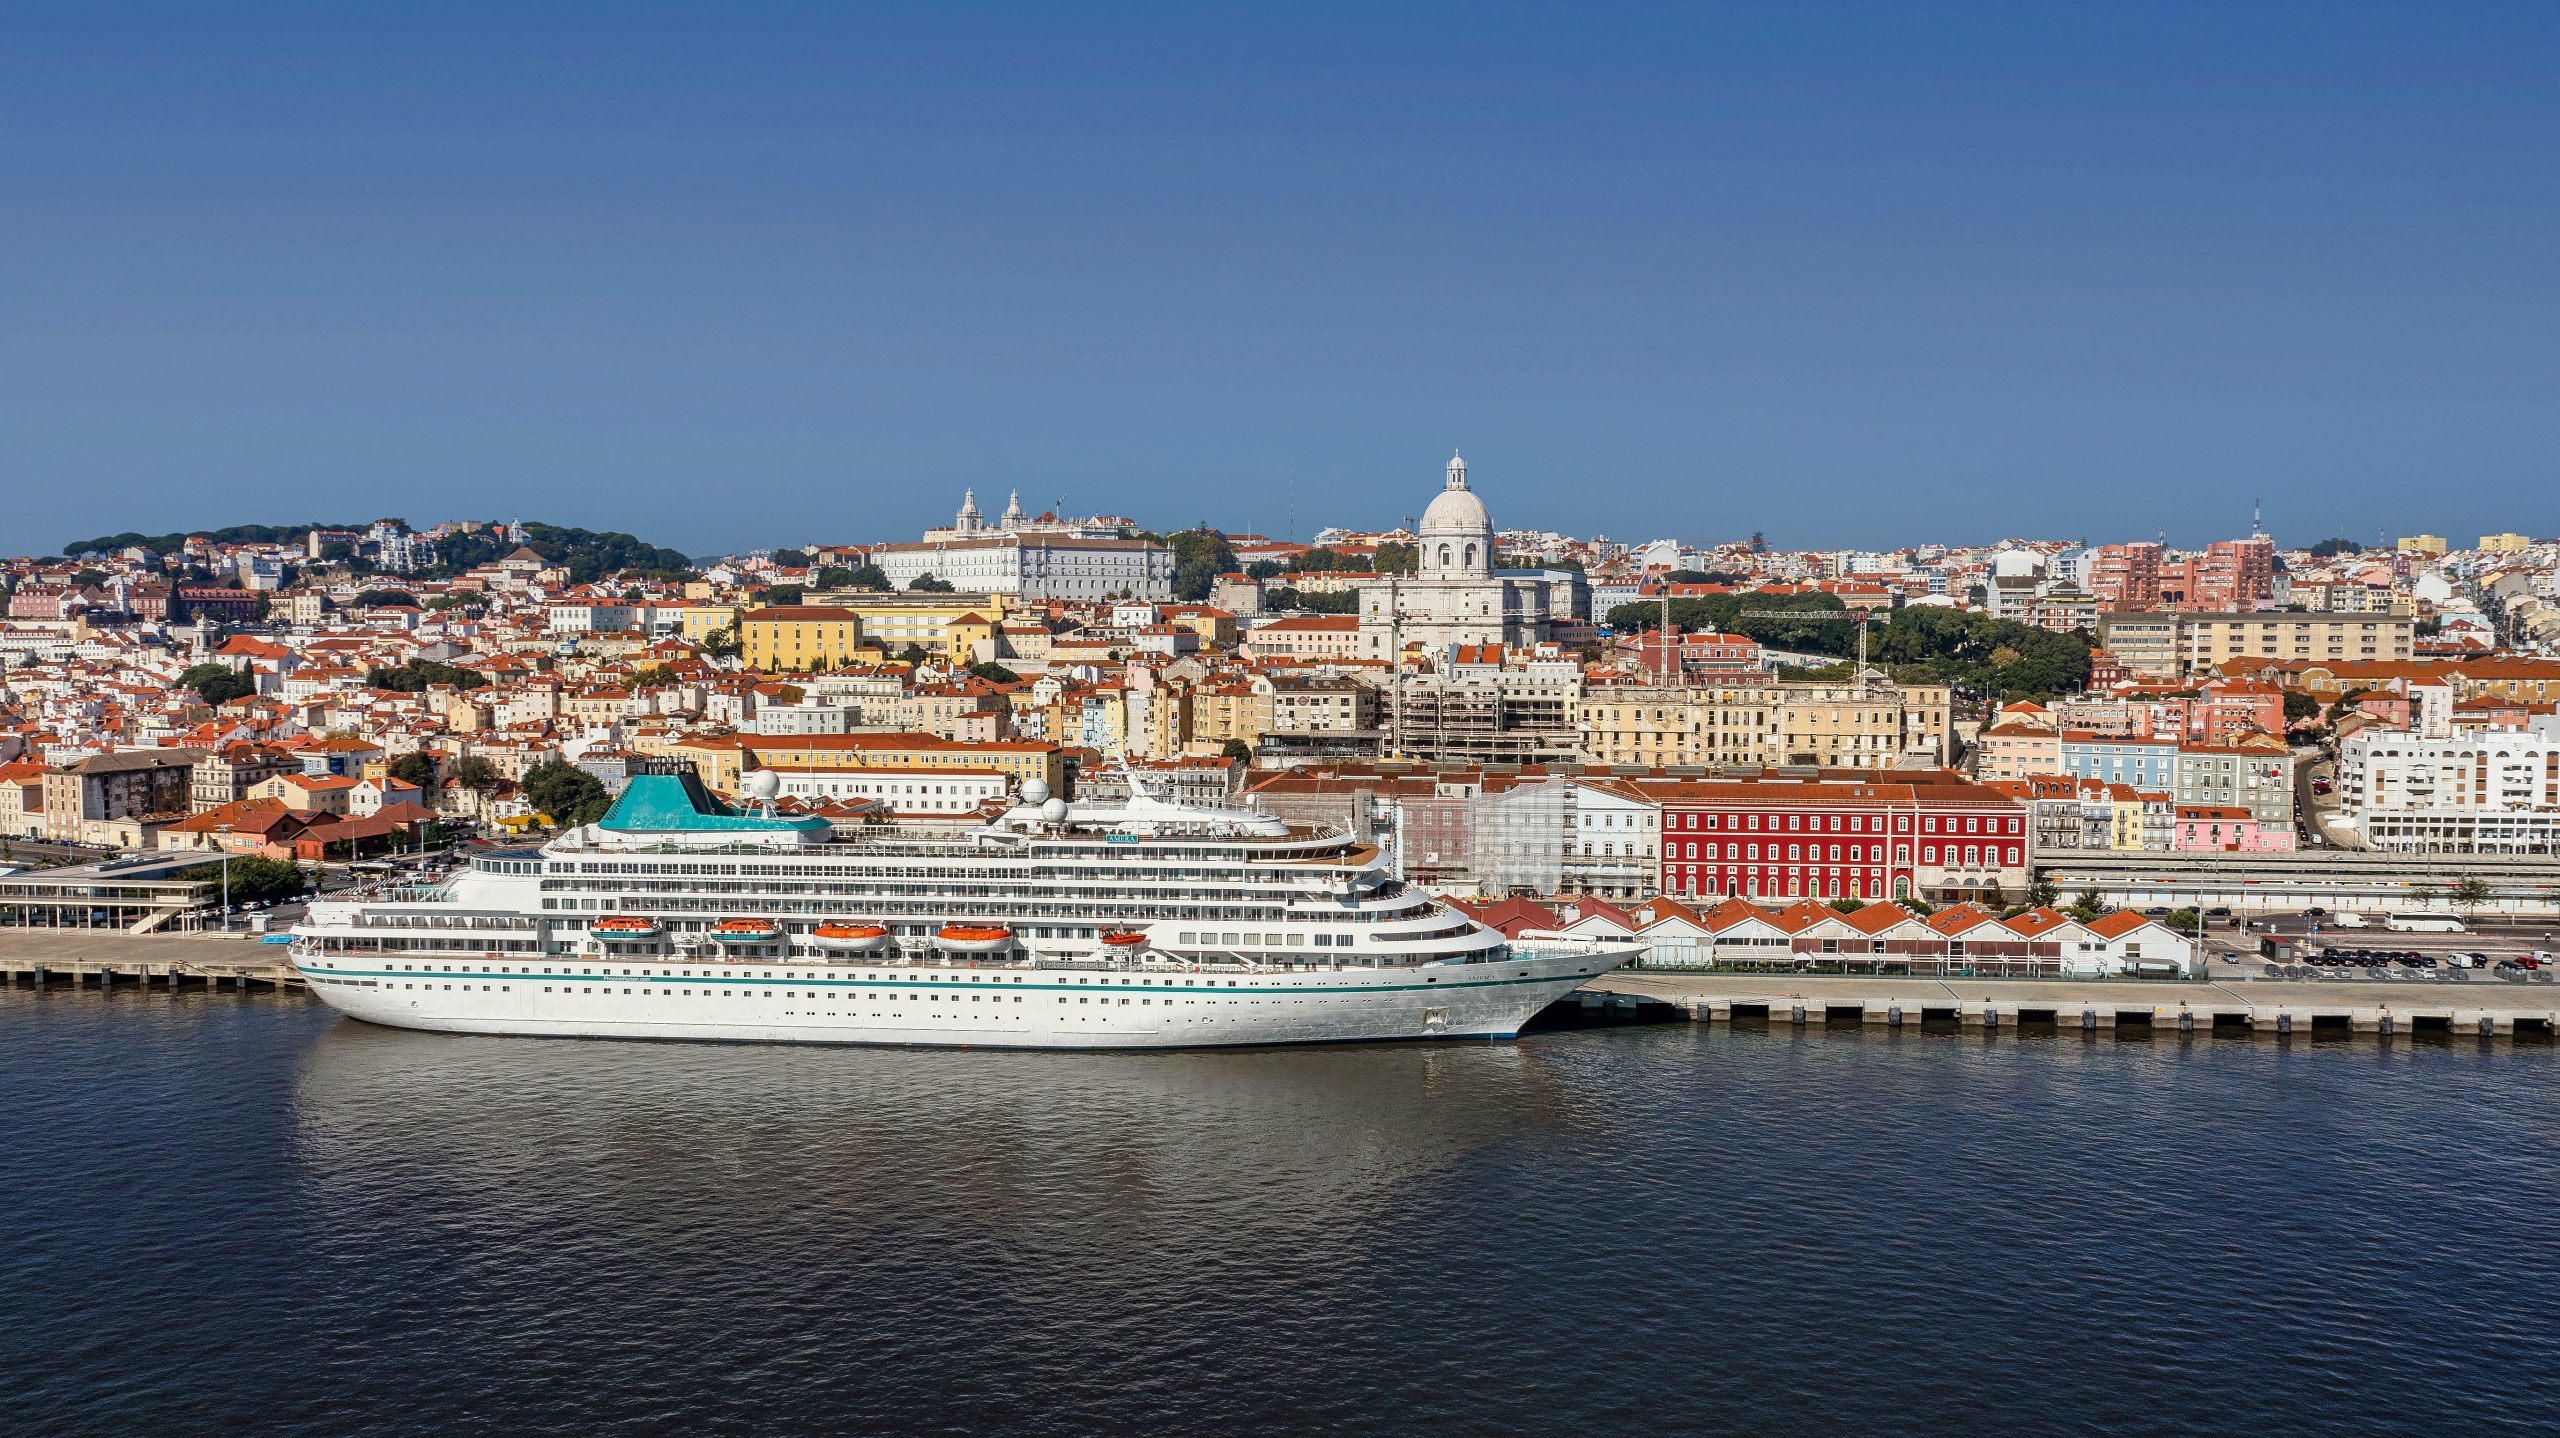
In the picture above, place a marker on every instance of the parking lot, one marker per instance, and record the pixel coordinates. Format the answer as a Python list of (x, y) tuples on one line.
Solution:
[(2501, 952)]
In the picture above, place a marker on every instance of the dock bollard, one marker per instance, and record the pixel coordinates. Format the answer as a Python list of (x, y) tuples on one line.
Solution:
[(2284, 1023), (2088, 1019), (2186, 1022), (1799, 1013), (1893, 1017), (2386, 1026), (2488, 1026)]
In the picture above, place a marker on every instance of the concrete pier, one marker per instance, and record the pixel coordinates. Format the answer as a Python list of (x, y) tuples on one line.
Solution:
[(81, 957), (2479, 1008)]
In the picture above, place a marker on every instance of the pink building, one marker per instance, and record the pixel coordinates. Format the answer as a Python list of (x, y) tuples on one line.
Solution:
[(2208, 829)]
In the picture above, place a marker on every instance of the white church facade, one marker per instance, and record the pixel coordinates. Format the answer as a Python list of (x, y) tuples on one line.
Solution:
[(1034, 559), (1456, 598)]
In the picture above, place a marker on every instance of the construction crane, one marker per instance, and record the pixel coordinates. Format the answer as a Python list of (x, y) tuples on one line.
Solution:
[(1858, 617)]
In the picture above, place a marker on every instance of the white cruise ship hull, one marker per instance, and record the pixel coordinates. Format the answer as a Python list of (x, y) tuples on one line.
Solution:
[(952, 1005)]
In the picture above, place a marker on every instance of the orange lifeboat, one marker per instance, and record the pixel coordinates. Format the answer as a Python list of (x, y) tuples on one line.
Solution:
[(1124, 938), (973, 938), (745, 931), (850, 938), (621, 928)]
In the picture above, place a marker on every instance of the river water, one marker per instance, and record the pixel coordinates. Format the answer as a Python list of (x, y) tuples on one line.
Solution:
[(233, 1213)]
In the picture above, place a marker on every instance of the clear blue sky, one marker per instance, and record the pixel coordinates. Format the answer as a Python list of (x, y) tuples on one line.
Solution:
[(735, 276)]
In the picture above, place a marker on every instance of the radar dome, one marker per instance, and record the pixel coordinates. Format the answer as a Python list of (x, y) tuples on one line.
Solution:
[(763, 784), (1037, 791), (1055, 811)]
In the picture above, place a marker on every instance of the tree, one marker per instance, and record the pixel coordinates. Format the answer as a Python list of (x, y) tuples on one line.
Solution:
[(2331, 548), (655, 676), (1341, 602), (2185, 921), (2042, 893), (928, 584), (871, 577), (2299, 708), (2470, 893), (569, 794), (217, 683), (255, 879), (384, 596), (1200, 555), (337, 551), (1237, 750), (414, 676), (995, 673), (791, 558), (1396, 557), (88, 579), (1847, 905), (783, 594), (416, 769), (1324, 560), (2089, 899), (475, 773), (914, 654), (834, 576)]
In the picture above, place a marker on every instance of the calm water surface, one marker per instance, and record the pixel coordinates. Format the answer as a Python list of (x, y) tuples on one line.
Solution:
[(240, 1214)]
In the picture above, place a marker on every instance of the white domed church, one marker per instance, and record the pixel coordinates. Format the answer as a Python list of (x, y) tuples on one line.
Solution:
[(1456, 597)]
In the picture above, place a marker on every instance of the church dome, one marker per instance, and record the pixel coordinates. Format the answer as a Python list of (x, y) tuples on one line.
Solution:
[(1456, 538), (1456, 511)]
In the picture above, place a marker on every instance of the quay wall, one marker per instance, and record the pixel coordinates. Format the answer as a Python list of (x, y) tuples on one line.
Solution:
[(2262, 1008)]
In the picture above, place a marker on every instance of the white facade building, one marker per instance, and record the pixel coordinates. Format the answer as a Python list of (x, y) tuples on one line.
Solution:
[(2489, 791), (1456, 598), (900, 791), (1034, 559)]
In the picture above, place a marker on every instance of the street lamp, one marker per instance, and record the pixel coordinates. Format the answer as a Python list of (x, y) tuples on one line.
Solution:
[(225, 831)]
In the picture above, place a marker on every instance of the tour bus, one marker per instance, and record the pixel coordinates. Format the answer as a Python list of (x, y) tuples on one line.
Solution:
[(2425, 921)]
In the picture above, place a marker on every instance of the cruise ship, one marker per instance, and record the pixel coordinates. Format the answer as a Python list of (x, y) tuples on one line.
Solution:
[(1140, 924)]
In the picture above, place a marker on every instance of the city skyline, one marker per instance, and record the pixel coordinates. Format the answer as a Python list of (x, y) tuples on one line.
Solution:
[(1861, 278)]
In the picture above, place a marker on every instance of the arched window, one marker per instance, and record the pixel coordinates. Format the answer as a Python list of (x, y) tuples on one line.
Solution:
[(1471, 556), (1444, 556)]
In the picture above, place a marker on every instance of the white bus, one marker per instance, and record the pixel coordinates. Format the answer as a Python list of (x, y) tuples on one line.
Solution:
[(2425, 921)]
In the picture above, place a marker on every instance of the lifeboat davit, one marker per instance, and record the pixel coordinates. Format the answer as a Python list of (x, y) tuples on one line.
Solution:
[(973, 938), (746, 931), (1124, 938), (624, 928), (850, 938)]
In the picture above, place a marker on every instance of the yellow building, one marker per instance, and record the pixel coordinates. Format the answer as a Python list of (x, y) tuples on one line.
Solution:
[(700, 621), (2422, 544), (949, 626), (2503, 543), (798, 638)]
